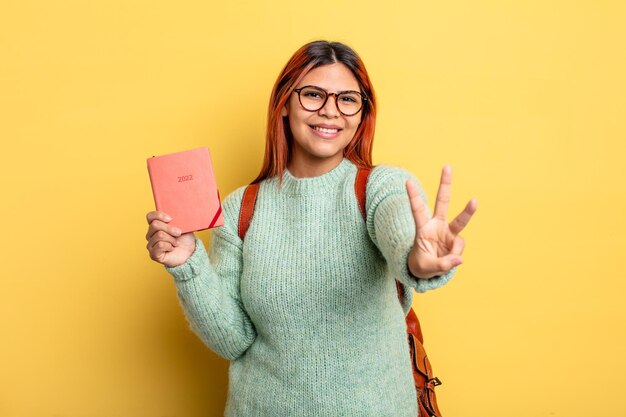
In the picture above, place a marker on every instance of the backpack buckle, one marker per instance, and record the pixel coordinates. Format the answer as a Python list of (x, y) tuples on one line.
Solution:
[(435, 381)]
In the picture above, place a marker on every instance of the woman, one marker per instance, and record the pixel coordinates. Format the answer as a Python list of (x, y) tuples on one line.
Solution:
[(306, 307)]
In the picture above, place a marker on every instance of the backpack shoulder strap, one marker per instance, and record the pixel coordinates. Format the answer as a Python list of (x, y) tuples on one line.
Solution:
[(247, 208)]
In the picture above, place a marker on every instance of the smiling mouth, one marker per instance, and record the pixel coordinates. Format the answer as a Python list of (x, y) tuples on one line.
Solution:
[(325, 130)]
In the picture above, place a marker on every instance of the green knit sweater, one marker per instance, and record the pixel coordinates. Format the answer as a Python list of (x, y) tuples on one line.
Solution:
[(306, 307)]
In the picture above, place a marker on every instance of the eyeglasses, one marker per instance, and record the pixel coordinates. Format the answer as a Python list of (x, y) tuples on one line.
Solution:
[(313, 98)]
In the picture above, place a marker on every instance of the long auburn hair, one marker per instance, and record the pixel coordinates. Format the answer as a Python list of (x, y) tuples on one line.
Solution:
[(278, 137)]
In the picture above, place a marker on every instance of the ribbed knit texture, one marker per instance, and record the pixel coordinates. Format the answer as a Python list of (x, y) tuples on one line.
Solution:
[(306, 307)]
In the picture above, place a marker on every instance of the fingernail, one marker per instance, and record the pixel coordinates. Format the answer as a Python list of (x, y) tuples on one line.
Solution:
[(168, 218), (177, 232)]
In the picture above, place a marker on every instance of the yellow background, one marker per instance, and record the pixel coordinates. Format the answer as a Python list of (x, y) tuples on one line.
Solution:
[(526, 100)]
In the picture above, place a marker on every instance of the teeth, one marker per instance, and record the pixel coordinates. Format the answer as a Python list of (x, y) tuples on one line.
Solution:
[(324, 130)]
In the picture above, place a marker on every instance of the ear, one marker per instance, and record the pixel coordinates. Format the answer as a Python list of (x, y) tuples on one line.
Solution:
[(285, 110)]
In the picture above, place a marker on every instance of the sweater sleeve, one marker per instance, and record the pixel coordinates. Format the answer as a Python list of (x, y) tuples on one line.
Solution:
[(391, 226), (208, 287)]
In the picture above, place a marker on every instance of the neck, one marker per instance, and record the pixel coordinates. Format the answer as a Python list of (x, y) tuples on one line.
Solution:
[(306, 168)]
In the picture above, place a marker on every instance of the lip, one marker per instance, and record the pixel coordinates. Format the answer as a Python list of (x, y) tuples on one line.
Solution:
[(325, 126), (325, 135)]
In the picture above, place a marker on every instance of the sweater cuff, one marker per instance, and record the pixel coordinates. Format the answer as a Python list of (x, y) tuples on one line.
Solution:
[(419, 284), (193, 266)]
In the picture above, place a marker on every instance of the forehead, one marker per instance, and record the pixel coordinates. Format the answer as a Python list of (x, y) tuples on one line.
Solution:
[(332, 77)]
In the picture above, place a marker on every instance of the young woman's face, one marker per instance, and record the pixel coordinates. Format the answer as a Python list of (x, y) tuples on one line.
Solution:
[(321, 136)]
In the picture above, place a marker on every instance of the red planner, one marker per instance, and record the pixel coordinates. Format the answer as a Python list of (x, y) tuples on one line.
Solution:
[(184, 187)]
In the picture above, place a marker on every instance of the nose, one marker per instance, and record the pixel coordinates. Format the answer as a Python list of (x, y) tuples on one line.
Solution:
[(330, 107)]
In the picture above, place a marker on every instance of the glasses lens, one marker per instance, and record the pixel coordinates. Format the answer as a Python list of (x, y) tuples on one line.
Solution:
[(349, 103), (312, 98)]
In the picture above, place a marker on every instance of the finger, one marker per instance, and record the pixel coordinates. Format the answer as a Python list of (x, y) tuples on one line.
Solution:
[(152, 215), (159, 249), (464, 217), (443, 194), (157, 225), (448, 262), (161, 236), (458, 245), (439, 266), (418, 208)]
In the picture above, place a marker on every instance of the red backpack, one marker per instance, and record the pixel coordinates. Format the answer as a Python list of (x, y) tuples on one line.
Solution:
[(425, 383)]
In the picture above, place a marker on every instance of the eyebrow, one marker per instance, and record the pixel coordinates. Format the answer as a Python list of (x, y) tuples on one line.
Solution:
[(323, 89)]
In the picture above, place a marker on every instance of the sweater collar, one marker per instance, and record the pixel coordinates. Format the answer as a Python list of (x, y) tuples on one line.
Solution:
[(315, 185)]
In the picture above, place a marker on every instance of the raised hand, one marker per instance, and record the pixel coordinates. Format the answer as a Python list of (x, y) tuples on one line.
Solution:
[(438, 246)]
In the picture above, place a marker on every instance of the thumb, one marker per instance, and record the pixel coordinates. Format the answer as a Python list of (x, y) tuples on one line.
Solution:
[(446, 263), (438, 266)]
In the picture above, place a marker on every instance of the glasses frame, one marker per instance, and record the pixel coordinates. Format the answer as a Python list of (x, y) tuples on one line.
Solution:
[(328, 94)]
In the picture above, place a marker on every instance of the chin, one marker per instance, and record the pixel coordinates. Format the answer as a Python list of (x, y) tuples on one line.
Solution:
[(327, 154)]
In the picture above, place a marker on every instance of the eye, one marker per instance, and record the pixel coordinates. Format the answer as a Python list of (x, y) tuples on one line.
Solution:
[(350, 98), (310, 93)]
